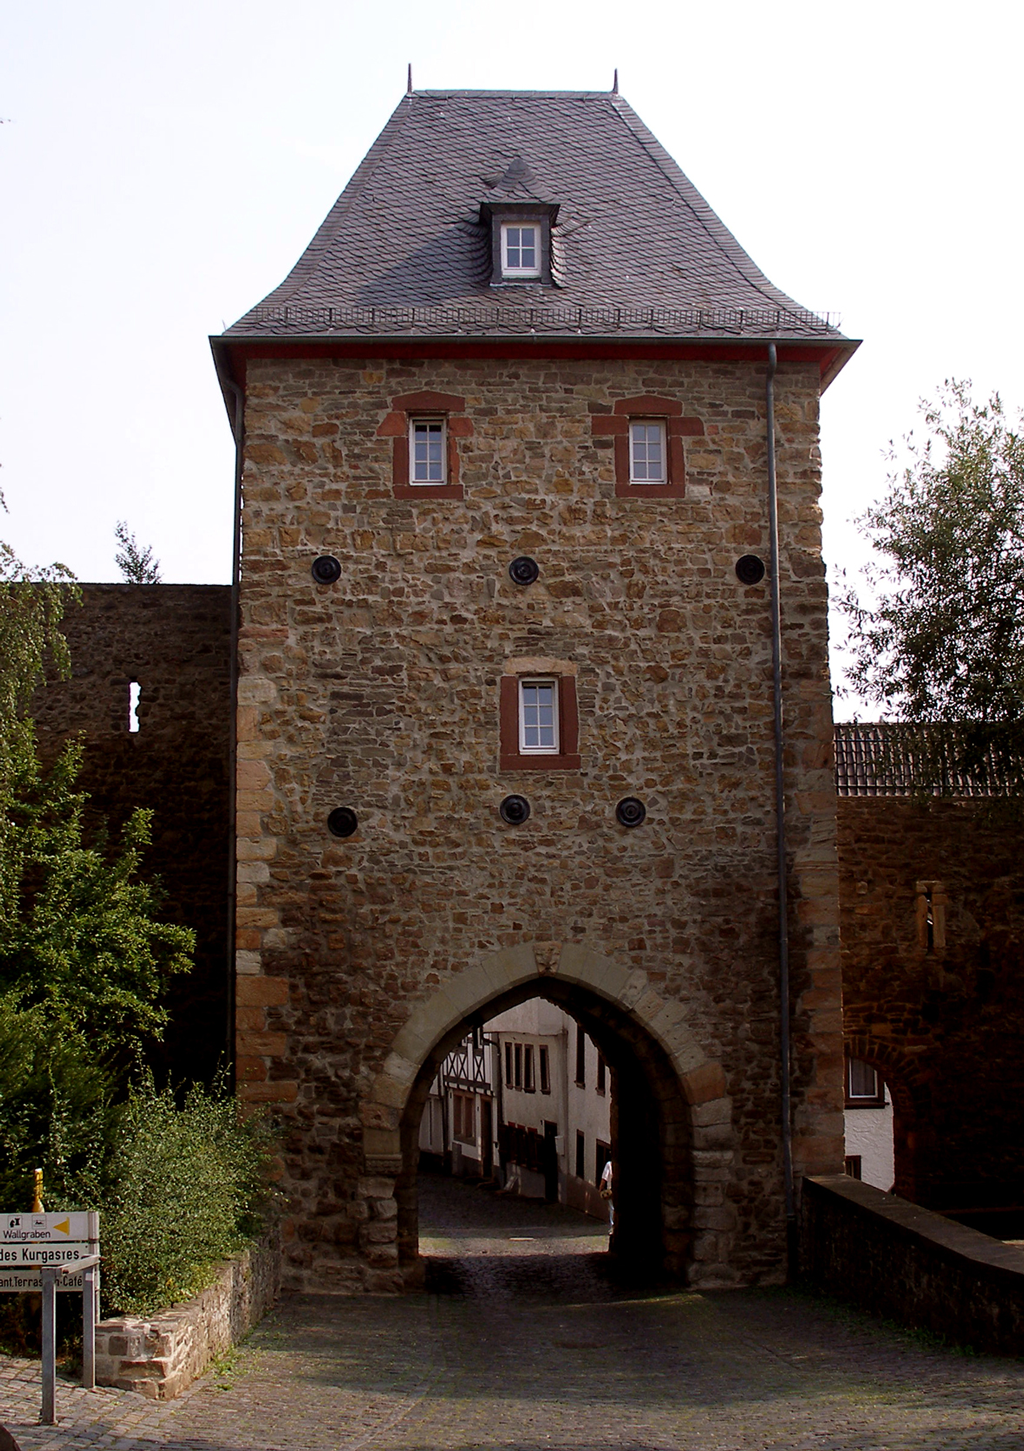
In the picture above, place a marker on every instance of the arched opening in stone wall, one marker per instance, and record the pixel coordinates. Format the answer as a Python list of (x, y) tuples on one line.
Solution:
[(905, 1087), (649, 1127)]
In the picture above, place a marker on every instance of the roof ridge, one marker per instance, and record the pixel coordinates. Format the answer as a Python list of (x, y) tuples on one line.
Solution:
[(455, 91), (715, 229), (327, 230)]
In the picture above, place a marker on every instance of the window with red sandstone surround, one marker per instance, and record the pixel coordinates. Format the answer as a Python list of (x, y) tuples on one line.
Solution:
[(425, 429), (538, 723), (647, 435)]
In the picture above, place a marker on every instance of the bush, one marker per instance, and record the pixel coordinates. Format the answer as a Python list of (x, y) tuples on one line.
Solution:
[(55, 1107), (188, 1186)]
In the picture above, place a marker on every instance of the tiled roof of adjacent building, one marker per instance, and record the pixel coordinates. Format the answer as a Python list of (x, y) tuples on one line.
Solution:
[(880, 758), (636, 250)]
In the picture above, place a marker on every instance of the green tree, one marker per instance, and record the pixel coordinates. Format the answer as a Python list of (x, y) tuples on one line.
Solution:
[(32, 605), (137, 565), (79, 934), (939, 641)]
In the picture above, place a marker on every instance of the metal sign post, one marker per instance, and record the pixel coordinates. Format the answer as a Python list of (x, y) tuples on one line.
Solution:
[(48, 1415)]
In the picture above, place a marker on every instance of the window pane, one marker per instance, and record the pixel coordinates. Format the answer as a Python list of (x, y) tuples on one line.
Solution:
[(537, 703), (528, 247), (428, 453), (863, 1080), (647, 452)]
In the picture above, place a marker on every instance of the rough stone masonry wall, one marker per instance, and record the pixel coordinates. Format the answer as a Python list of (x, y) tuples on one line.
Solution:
[(381, 693), (162, 1355), (174, 640), (908, 1264), (944, 1023)]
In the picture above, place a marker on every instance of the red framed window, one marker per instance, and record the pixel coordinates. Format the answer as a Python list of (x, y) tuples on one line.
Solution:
[(425, 429), (647, 434), (539, 724)]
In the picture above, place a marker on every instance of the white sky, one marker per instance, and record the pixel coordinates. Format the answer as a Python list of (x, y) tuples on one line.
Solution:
[(164, 165)]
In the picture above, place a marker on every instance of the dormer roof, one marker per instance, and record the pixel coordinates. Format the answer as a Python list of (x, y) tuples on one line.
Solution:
[(635, 249)]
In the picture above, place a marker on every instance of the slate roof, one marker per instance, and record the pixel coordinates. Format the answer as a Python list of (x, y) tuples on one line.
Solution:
[(635, 248)]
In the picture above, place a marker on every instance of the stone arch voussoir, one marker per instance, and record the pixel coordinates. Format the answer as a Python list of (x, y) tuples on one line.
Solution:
[(437, 1014)]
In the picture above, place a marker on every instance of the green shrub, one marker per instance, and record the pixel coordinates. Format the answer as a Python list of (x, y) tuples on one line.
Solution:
[(55, 1108), (187, 1187)]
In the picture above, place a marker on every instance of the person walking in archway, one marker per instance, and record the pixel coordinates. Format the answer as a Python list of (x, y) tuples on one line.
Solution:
[(607, 1193)]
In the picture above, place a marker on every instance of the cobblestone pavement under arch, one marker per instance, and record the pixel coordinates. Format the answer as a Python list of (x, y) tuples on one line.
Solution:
[(530, 1347)]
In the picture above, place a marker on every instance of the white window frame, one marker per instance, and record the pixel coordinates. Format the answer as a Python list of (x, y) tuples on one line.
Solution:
[(425, 421), (506, 269), (659, 424), (524, 683)]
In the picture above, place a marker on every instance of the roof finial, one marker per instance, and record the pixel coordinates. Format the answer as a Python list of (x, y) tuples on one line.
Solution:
[(408, 83), (615, 82)]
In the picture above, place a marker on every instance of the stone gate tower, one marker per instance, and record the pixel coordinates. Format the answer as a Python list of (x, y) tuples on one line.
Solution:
[(505, 692)]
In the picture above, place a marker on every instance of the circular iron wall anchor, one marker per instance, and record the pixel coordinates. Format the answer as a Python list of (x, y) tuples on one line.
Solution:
[(514, 810), (523, 570), (630, 811), (750, 569), (342, 821), (325, 569)]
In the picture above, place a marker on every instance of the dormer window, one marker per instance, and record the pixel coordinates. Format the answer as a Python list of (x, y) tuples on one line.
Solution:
[(520, 250), (520, 240)]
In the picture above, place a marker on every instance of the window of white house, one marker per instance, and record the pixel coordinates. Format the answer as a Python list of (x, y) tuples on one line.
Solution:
[(528, 1068), (647, 453), (864, 1087), (538, 717), (426, 451), (520, 251), (545, 1070), (464, 1117)]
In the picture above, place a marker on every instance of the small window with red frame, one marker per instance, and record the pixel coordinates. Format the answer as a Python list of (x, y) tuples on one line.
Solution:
[(539, 723)]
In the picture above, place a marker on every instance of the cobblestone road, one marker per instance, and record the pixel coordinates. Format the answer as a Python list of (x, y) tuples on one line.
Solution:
[(530, 1347)]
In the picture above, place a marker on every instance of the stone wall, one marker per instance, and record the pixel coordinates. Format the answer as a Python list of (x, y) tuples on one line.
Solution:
[(939, 1009), (163, 1354), (381, 693), (174, 641), (912, 1265)]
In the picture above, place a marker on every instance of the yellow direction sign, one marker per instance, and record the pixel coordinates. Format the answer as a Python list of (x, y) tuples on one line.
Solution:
[(49, 1228)]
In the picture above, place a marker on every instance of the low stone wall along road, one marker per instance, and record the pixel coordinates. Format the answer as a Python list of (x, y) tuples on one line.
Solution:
[(531, 1346)]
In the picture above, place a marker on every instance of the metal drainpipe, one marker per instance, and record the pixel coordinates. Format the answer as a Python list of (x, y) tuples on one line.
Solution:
[(780, 818), (239, 432)]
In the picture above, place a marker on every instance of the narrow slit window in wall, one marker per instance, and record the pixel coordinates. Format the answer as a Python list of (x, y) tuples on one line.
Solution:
[(134, 696)]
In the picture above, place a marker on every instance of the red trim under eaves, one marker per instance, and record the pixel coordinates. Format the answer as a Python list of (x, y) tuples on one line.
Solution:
[(231, 354)]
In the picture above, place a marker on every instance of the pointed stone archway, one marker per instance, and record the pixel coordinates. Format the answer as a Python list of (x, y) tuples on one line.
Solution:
[(675, 1162)]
